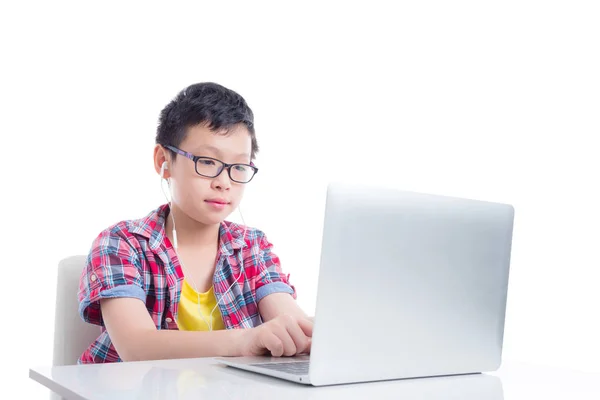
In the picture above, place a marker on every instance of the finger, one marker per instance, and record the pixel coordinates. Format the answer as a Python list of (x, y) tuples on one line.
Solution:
[(289, 346), (307, 326), (273, 344), (308, 347), (297, 335)]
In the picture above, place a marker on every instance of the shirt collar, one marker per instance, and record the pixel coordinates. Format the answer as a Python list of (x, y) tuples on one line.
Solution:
[(152, 227)]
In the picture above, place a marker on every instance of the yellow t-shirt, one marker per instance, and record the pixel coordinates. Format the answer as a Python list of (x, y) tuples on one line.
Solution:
[(188, 314)]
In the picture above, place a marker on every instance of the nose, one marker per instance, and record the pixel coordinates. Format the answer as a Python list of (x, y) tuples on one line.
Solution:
[(221, 181)]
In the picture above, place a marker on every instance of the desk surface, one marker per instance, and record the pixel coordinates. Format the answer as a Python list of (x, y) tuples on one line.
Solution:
[(204, 378)]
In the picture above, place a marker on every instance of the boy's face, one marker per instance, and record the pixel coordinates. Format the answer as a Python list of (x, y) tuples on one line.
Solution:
[(209, 200)]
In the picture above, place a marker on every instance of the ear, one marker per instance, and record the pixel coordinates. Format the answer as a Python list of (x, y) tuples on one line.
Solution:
[(161, 157)]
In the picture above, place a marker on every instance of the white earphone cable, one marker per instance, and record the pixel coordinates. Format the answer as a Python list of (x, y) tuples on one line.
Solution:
[(175, 242)]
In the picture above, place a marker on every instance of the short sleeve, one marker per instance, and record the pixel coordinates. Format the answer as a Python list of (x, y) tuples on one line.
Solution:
[(269, 275), (112, 270)]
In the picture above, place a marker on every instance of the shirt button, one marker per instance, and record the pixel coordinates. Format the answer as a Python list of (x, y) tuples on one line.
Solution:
[(93, 278), (169, 320)]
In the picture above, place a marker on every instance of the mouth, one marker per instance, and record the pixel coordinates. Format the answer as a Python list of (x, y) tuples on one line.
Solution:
[(221, 202)]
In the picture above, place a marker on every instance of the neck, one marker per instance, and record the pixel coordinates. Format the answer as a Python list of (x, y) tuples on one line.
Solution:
[(189, 231)]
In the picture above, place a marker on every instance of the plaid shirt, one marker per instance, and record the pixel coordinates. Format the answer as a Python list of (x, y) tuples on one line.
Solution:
[(136, 259)]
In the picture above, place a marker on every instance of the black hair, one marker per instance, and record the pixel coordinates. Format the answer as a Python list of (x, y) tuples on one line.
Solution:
[(207, 103)]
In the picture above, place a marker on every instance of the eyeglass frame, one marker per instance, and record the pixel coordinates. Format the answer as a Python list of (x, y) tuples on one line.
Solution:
[(225, 166)]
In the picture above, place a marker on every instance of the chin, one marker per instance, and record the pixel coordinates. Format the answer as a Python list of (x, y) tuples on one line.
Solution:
[(210, 220), (215, 218), (208, 215)]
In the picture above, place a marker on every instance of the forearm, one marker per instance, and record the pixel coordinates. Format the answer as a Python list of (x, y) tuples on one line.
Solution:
[(173, 344), (277, 304)]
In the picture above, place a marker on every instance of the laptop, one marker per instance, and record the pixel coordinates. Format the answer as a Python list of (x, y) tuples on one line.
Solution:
[(410, 285)]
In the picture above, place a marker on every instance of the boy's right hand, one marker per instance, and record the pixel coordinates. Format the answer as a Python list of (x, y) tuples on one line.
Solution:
[(281, 336)]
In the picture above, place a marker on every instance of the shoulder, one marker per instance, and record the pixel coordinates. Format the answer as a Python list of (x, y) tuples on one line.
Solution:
[(117, 238), (127, 236)]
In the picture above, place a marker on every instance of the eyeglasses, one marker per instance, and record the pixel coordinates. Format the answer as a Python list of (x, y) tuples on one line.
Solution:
[(211, 167)]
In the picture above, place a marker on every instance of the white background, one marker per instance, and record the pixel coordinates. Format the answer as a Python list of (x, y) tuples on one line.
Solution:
[(489, 100)]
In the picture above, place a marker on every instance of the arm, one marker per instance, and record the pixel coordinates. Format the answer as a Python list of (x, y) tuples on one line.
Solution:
[(277, 304), (135, 337)]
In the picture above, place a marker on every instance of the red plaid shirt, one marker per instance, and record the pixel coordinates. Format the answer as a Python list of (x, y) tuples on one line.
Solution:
[(136, 259)]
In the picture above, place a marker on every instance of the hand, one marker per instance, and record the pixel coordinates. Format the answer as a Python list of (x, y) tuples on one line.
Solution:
[(281, 336)]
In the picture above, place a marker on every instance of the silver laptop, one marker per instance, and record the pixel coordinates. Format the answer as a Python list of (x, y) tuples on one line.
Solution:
[(410, 285)]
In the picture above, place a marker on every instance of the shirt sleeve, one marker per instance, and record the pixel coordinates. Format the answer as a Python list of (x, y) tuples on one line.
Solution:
[(112, 270), (269, 277)]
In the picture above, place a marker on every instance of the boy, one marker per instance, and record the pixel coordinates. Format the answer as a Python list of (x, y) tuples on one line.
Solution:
[(183, 282)]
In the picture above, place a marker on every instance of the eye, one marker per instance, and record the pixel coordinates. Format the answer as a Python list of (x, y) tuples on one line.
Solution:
[(205, 161), (241, 168)]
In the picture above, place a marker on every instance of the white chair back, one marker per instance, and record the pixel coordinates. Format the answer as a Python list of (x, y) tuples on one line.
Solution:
[(71, 334)]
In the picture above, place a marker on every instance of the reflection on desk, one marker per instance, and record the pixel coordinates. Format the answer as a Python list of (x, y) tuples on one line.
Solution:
[(201, 378), (137, 380)]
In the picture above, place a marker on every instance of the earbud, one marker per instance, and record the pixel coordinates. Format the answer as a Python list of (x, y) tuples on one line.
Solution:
[(162, 169)]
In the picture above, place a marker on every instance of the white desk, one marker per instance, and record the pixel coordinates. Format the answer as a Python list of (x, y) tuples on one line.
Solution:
[(204, 379)]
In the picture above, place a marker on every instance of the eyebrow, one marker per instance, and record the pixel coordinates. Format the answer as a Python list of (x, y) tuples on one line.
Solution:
[(216, 150)]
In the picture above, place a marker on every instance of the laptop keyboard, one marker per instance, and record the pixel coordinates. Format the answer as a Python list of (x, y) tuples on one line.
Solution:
[(295, 368)]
